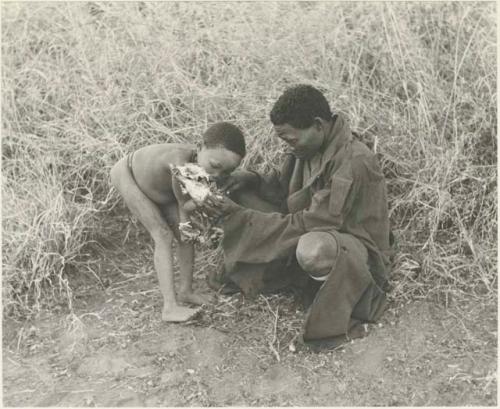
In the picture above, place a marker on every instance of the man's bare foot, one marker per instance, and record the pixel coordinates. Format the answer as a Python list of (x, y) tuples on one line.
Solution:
[(196, 299), (178, 313)]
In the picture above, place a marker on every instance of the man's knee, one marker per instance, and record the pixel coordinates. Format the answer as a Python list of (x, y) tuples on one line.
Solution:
[(317, 253)]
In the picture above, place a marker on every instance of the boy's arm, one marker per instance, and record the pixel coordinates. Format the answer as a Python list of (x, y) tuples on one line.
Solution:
[(181, 199)]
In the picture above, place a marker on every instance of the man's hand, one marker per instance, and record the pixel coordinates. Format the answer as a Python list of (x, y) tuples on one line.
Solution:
[(240, 179), (219, 207)]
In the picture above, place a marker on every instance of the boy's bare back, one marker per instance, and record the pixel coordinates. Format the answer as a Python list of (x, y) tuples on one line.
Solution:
[(151, 168)]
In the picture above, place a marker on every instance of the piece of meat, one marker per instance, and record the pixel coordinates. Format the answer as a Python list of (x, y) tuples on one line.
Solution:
[(198, 185)]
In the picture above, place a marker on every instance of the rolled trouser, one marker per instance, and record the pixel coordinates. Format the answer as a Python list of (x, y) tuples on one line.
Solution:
[(317, 252), (348, 294)]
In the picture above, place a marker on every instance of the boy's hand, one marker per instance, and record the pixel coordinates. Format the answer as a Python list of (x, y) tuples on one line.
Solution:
[(220, 206), (189, 206), (238, 180)]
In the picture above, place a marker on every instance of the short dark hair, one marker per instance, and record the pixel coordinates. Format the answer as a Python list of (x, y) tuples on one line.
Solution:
[(226, 135), (299, 105)]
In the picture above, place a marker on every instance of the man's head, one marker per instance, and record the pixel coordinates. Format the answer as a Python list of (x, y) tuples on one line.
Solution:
[(301, 117), (223, 149)]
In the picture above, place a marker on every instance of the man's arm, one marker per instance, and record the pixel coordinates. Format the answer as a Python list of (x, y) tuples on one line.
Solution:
[(268, 236), (272, 187), (275, 186)]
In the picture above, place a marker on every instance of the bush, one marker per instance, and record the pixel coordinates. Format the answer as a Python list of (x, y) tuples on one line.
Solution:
[(85, 83)]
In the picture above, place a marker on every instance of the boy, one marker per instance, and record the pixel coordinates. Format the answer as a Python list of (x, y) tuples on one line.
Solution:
[(144, 180)]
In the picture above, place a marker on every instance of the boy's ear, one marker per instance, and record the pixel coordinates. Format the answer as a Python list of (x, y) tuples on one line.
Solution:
[(214, 162), (318, 123)]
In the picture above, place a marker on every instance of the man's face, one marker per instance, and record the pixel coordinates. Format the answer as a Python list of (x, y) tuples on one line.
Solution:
[(304, 143)]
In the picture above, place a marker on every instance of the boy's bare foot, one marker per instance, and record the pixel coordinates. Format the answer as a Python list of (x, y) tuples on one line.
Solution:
[(196, 299), (178, 313)]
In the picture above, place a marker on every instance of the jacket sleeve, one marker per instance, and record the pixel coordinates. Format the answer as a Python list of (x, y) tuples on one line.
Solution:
[(268, 236), (273, 187)]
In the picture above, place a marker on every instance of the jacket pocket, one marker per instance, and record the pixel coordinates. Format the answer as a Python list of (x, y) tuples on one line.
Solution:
[(340, 190), (319, 198), (299, 200)]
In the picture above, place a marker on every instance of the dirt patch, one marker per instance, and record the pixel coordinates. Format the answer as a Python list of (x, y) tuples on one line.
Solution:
[(369, 358), (119, 353), (207, 349), (103, 364), (277, 380)]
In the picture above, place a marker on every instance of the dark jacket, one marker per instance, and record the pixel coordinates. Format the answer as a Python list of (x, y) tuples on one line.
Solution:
[(342, 189)]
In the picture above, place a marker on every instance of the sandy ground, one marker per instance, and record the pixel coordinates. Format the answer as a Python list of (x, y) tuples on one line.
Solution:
[(115, 351)]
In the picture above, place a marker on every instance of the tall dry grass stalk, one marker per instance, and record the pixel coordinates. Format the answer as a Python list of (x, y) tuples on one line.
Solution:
[(85, 83)]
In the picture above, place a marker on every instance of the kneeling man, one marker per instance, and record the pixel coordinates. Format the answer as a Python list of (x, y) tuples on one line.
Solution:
[(325, 212)]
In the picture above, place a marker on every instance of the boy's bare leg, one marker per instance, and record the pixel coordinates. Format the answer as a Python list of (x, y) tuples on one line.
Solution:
[(163, 261), (185, 257), (151, 217), (186, 264)]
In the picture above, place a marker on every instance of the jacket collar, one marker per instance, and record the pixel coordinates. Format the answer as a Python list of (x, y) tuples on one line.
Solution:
[(338, 137)]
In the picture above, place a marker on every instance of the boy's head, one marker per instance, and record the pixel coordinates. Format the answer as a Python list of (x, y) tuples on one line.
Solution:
[(222, 150), (301, 117)]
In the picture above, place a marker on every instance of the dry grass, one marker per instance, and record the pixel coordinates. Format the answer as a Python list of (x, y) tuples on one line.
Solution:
[(84, 83)]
